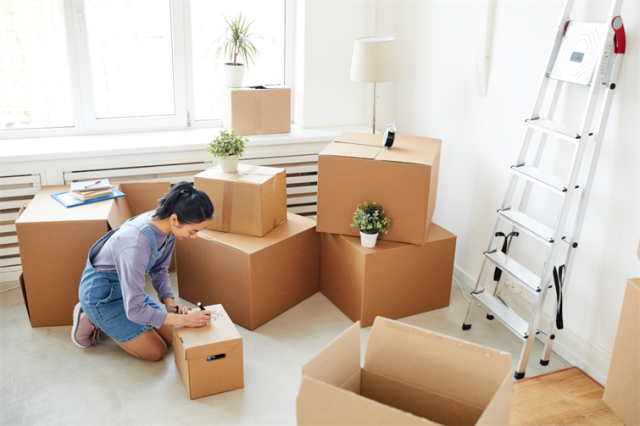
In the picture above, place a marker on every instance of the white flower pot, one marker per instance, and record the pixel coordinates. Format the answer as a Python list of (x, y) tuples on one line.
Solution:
[(368, 240), (229, 164), (233, 74)]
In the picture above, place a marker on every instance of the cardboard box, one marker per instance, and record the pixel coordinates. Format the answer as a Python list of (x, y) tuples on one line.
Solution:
[(209, 358), (259, 110), (255, 279), (622, 393), (393, 280), (251, 201), (404, 179), (54, 244), (410, 376)]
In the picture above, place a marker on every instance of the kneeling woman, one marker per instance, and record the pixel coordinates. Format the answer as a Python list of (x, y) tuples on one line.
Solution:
[(112, 297)]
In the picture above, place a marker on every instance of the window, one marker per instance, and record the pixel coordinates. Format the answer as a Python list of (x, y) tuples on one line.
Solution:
[(92, 66)]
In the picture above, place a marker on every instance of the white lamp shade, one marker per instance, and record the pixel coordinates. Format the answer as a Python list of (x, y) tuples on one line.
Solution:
[(375, 60)]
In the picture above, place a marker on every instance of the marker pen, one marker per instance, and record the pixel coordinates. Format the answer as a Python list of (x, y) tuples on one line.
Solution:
[(200, 306)]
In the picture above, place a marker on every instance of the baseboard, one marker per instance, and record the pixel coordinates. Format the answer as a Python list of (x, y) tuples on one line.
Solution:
[(575, 348)]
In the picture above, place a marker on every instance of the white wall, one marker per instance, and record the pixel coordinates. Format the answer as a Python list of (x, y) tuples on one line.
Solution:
[(436, 97)]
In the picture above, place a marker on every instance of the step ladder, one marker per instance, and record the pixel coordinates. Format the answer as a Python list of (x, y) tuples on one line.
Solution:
[(586, 54)]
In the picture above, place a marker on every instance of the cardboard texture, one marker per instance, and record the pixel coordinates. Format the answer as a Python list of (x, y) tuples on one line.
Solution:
[(255, 279), (54, 244), (250, 111), (409, 376), (622, 392), (356, 168), (393, 280), (209, 358), (251, 201)]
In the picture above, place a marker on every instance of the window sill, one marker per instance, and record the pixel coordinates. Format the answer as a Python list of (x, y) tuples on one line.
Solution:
[(65, 147)]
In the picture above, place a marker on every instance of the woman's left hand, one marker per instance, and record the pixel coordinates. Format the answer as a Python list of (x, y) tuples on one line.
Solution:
[(178, 309)]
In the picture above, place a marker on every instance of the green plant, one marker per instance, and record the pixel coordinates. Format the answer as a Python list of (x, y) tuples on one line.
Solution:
[(371, 219), (226, 144), (236, 41)]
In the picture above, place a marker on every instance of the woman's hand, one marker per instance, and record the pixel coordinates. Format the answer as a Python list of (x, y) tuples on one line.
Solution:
[(178, 309), (197, 319)]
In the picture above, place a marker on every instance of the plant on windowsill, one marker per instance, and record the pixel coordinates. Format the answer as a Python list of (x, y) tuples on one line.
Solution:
[(228, 147), (235, 42), (371, 220)]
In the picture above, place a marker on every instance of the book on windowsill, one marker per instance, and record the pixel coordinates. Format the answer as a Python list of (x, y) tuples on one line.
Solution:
[(90, 185)]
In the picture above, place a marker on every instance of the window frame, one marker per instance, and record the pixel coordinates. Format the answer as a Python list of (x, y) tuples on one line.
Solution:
[(83, 104)]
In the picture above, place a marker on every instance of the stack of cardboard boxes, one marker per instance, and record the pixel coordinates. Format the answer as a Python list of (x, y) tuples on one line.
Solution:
[(254, 258), (411, 268)]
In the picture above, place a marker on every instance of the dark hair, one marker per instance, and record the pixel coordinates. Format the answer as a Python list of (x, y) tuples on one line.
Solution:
[(188, 203)]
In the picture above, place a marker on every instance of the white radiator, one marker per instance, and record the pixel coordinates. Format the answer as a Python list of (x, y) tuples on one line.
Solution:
[(15, 192)]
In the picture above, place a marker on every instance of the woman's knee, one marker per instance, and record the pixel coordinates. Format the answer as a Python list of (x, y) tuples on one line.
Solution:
[(156, 352)]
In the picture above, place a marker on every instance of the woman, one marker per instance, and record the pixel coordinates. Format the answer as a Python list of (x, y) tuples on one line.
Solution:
[(112, 297)]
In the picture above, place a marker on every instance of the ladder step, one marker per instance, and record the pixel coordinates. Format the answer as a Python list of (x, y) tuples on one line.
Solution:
[(553, 128), (528, 224), (536, 175), (522, 275), (505, 314)]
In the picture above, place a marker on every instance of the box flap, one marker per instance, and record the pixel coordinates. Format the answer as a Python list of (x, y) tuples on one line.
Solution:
[(380, 245), (432, 361), (351, 150), (412, 149), (369, 139), (322, 404), (245, 173), (45, 208), (121, 210), (144, 196), (339, 362), (220, 336), (294, 224)]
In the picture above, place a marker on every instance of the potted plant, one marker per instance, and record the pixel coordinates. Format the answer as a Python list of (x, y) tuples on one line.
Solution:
[(228, 147), (236, 42), (371, 220)]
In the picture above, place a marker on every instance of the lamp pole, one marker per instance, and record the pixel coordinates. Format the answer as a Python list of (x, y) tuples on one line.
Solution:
[(374, 108)]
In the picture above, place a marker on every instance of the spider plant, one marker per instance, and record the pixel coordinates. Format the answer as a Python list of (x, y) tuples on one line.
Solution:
[(236, 41)]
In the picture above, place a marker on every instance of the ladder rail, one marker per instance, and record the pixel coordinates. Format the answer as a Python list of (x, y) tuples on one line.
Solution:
[(584, 200)]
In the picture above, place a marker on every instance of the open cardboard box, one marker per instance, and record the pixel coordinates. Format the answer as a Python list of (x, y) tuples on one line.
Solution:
[(209, 358), (251, 201), (403, 180), (255, 278), (410, 376), (393, 280), (259, 110), (622, 393), (55, 242)]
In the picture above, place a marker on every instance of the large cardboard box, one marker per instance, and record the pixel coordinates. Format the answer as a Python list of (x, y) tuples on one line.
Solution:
[(255, 279), (259, 110), (404, 179), (410, 376), (251, 201), (209, 358), (622, 392), (55, 241), (393, 280)]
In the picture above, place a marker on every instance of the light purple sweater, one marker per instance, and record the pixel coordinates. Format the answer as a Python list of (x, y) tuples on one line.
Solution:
[(127, 252)]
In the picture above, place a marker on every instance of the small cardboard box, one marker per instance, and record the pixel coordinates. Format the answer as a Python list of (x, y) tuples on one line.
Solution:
[(256, 279), (622, 393), (55, 241), (410, 376), (393, 280), (209, 358), (403, 180), (251, 201), (259, 110)]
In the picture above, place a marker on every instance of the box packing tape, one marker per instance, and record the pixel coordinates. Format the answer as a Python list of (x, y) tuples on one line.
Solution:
[(227, 197)]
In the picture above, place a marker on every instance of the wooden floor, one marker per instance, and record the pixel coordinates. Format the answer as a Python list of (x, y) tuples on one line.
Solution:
[(565, 397)]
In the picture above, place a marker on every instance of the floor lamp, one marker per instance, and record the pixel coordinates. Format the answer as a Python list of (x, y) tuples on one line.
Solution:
[(375, 60)]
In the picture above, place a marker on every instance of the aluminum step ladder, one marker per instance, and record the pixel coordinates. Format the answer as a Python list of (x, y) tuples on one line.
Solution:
[(586, 54)]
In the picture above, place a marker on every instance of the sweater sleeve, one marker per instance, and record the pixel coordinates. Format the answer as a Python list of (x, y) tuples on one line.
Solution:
[(131, 264), (160, 275)]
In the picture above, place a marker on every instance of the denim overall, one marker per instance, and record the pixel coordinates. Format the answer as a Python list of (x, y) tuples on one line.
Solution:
[(101, 295)]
